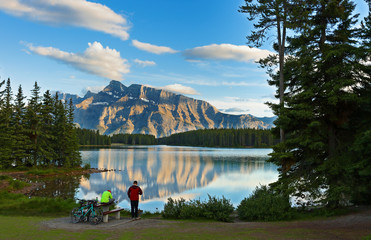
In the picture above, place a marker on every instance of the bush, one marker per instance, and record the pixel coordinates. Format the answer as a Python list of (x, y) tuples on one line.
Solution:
[(265, 205), (4, 177), (17, 184), (218, 209), (87, 166), (214, 208), (173, 208), (13, 183)]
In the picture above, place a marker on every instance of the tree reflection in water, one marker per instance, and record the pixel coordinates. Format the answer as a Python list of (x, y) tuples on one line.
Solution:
[(63, 187)]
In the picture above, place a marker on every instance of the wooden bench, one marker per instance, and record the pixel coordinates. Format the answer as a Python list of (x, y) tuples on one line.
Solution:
[(117, 215), (105, 208), (106, 211)]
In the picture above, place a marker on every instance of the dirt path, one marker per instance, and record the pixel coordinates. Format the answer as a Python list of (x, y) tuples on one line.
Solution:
[(351, 226)]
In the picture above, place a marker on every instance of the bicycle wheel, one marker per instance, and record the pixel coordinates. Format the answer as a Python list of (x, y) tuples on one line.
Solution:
[(96, 216), (76, 215)]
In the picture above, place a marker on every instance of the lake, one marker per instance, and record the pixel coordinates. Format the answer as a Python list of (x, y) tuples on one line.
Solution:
[(168, 171)]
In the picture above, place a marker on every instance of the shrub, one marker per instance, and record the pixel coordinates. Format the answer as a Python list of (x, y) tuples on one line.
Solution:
[(214, 208), (264, 205), (218, 209), (13, 183), (173, 208), (4, 177), (17, 184), (87, 166)]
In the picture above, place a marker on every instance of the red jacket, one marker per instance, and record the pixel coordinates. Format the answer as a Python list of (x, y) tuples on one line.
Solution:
[(134, 192)]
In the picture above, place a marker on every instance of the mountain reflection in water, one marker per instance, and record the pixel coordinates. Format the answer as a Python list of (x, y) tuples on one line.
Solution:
[(188, 172)]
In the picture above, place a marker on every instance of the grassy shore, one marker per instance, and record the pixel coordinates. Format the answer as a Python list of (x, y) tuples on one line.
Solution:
[(35, 228), (22, 217)]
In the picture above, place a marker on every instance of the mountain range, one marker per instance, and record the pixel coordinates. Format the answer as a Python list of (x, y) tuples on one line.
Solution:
[(146, 110)]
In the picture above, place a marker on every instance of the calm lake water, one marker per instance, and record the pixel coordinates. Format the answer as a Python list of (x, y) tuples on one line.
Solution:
[(167, 171)]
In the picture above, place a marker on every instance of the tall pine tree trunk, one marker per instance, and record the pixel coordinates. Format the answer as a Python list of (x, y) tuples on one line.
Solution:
[(281, 37)]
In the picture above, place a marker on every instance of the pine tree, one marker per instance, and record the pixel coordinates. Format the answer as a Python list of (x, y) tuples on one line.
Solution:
[(22, 141), (60, 129), (46, 139), (73, 145), (6, 139), (322, 76), (33, 125), (360, 150), (271, 14)]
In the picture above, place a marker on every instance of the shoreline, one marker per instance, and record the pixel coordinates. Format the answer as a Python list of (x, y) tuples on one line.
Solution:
[(37, 180)]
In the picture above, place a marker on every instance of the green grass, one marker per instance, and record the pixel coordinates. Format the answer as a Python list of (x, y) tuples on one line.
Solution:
[(47, 171), (16, 227), (27, 228), (13, 183), (30, 228), (12, 204), (318, 214)]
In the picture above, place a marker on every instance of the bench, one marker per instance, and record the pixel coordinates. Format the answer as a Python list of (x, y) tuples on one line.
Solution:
[(106, 211), (105, 208), (117, 211)]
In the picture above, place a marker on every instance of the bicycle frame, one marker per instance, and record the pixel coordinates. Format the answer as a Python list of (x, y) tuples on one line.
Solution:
[(87, 212)]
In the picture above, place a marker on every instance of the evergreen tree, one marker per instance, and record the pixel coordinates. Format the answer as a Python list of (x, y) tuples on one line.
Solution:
[(22, 141), (270, 14), (47, 139), (72, 140), (322, 75), (33, 125), (60, 130), (39, 134), (360, 150), (6, 140)]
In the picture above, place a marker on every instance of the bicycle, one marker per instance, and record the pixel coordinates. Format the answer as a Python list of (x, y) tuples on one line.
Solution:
[(87, 212)]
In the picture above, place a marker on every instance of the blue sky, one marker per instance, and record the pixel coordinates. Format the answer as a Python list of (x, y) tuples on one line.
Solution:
[(194, 47)]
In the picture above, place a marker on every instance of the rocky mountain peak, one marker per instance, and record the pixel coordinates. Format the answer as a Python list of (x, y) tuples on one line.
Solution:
[(115, 86), (146, 110)]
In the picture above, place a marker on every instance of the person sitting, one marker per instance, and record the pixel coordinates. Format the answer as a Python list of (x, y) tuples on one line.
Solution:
[(107, 197)]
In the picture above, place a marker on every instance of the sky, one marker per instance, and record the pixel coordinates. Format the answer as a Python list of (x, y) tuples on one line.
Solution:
[(194, 47)]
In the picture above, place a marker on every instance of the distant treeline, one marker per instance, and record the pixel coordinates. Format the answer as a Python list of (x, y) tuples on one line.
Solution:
[(134, 139), (39, 132), (88, 137), (92, 137), (201, 138), (222, 138)]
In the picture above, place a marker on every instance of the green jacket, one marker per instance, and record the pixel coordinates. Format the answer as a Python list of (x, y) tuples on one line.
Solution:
[(106, 196)]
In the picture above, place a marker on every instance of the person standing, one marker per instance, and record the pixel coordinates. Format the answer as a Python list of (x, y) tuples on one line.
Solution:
[(133, 194)]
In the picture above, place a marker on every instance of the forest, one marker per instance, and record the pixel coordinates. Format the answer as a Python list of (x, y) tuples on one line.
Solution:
[(90, 137), (200, 138), (222, 138), (40, 132)]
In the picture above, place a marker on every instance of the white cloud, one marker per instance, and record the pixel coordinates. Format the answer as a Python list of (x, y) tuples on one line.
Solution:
[(144, 63), (226, 52), (96, 59), (79, 13), (237, 106), (94, 89), (152, 48), (179, 88)]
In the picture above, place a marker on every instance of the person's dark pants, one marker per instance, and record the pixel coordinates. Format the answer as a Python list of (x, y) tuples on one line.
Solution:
[(134, 208)]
